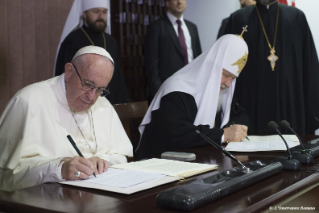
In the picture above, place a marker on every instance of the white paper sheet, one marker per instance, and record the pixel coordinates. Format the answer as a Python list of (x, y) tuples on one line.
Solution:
[(254, 146), (123, 178), (128, 190), (271, 138), (168, 167)]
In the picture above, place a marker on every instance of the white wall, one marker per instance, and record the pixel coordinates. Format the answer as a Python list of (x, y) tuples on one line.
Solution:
[(310, 8), (208, 15)]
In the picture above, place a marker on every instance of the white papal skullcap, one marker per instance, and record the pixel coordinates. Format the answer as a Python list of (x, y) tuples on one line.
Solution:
[(93, 50), (89, 4)]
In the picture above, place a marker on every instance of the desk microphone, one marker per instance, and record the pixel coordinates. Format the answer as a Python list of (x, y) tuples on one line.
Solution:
[(303, 157), (209, 140), (287, 162)]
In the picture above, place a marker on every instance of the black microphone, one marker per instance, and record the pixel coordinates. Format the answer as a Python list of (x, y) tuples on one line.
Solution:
[(287, 163), (209, 140), (303, 157)]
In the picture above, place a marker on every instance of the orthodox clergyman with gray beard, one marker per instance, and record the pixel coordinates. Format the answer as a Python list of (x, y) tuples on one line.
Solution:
[(201, 100)]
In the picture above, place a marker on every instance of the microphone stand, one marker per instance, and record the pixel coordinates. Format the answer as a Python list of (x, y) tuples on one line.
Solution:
[(303, 157), (287, 162), (220, 148)]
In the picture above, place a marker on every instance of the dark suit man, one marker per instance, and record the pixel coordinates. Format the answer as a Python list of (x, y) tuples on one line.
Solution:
[(164, 53)]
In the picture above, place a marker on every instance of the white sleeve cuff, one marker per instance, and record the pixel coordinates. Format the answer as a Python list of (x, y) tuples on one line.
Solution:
[(59, 170)]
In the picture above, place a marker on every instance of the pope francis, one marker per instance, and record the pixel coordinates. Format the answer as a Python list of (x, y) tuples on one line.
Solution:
[(34, 147)]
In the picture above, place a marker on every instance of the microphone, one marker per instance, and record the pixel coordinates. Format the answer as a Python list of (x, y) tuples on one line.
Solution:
[(287, 163), (303, 157), (209, 140)]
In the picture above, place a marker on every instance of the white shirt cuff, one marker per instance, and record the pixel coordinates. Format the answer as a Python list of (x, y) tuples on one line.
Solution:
[(59, 170)]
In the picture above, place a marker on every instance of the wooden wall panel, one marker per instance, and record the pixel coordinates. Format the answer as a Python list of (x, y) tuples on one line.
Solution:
[(15, 56), (54, 30), (29, 36), (29, 43), (4, 76), (42, 40)]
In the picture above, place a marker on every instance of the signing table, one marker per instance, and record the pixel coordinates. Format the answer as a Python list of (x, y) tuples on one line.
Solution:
[(285, 189)]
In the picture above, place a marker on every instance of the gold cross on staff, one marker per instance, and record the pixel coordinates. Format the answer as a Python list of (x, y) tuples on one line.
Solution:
[(244, 30), (272, 58)]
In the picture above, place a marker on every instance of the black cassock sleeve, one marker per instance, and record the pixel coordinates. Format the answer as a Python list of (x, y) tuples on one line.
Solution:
[(172, 128), (65, 55)]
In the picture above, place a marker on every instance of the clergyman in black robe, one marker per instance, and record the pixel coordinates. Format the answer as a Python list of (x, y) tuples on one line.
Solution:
[(172, 128), (291, 91), (76, 40), (202, 100)]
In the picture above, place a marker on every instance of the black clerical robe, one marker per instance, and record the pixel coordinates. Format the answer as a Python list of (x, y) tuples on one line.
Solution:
[(76, 40), (172, 128), (291, 91)]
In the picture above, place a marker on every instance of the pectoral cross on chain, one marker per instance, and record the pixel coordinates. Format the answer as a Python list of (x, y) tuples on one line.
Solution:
[(272, 58)]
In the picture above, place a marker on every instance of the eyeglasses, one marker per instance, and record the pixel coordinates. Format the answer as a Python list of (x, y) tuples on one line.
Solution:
[(87, 86)]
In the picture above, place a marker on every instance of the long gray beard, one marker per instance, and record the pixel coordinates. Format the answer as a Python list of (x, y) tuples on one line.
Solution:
[(220, 98), (265, 2)]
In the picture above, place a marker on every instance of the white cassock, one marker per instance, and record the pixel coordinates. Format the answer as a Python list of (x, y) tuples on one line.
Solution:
[(33, 130)]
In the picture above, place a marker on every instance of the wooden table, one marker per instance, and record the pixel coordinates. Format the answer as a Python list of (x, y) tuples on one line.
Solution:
[(285, 189)]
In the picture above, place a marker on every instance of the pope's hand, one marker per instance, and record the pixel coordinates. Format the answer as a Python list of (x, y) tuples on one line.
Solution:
[(80, 168), (235, 133), (99, 165)]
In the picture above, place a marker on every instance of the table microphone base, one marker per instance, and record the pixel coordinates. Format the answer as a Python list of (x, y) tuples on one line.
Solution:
[(303, 158), (288, 164), (201, 192)]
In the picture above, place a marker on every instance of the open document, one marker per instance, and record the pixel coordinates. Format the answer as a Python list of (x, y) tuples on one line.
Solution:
[(263, 143), (254, 138), (168, 167), (132, 177)]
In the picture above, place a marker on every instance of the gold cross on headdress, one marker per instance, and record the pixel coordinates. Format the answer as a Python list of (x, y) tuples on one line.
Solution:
[(241, 63), (244, 30)]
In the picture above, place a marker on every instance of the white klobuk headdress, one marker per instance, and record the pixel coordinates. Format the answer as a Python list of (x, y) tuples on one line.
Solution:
[(202, 79), (75, 21)]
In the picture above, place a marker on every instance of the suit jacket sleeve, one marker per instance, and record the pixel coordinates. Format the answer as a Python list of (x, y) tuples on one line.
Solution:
[(151, 54), (197, 49), (196, 46)]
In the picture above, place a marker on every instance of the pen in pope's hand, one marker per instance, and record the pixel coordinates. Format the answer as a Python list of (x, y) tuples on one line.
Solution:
[(232, 123), (76, 148)]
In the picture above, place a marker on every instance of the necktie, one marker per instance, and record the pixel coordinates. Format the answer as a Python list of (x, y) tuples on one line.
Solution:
[(182, 42)]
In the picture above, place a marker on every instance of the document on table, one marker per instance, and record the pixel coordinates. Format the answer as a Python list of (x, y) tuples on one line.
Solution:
[(123, 178), (132, 177), (123, 181), (256, 146), (271, 138), (168, 167)]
